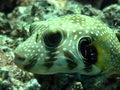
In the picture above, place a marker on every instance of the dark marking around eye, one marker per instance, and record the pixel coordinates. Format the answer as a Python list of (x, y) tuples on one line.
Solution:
[(49, 62), (30, 31), (82, 45), (69, 55), (36, 39), (88, 51), (71, 64), (118, 36), (70, 60)]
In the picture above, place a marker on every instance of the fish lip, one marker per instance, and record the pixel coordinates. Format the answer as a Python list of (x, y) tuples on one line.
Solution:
[(19, 60), (19, 57)]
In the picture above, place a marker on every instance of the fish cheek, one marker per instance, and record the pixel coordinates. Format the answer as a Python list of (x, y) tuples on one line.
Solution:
[(103, 57), (28, 64)]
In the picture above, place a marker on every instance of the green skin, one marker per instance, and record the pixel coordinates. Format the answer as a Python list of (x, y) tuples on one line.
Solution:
[(66, 57)]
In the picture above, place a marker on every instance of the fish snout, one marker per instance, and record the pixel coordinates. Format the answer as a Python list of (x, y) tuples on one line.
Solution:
[(18, 57), (19, 60)]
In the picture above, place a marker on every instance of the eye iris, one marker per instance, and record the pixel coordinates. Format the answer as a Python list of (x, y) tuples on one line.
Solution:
[(52, 39), (88, 51)]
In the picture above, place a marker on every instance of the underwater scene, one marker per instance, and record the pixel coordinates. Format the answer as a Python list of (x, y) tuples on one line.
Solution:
[(59, 44)]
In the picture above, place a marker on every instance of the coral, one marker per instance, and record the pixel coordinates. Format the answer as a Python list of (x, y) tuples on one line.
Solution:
[(32, 85), (58, 3), (4, 24), (100, 82), (24, 2), (3, 59), (8, 6), (94, 3), (112, 16), (15, 19), (59, 82)]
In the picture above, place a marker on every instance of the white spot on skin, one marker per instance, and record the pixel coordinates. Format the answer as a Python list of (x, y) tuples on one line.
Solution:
[(31, 54), (75, 37), (68, 35), (70, 26), (69, 44), (35, 43), (96, 34), (81, 28), (28, 54), (73, 47), (77, 20), (47, 57), (88, 28), (47, 51), (80, 32), (70, 41), (29, 50), (92, 32), (74, 31), (37, 46), (42, 55), (38, 50), (39, 58), (98, 31), (55, 52), (36, 54), (62, 43), (64, 49), (41, 46), (87, 31), (32, 46), (33, 51), (28, 46)]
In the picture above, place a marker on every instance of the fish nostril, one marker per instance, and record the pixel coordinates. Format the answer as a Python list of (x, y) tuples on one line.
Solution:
[(18, 57)]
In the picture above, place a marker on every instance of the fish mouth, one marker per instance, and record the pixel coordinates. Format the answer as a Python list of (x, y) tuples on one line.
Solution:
[(18, 57), (19, 60)]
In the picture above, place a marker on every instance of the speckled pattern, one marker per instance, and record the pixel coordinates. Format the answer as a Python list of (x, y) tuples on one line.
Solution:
[(87, 46)]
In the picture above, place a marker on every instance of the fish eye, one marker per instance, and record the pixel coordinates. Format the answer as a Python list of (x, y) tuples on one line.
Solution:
[(52, 39), (87, 50)]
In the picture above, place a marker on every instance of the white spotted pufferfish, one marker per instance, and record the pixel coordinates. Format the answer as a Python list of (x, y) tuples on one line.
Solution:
[(68, 44)]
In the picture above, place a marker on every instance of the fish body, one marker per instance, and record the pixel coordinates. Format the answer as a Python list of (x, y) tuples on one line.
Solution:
[(68, 44)]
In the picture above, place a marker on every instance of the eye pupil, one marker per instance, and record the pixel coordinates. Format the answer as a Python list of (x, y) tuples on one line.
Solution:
[(88, 51), (52, 39)]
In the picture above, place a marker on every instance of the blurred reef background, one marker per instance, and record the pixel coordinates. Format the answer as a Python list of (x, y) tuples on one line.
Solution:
[(15, 19)]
